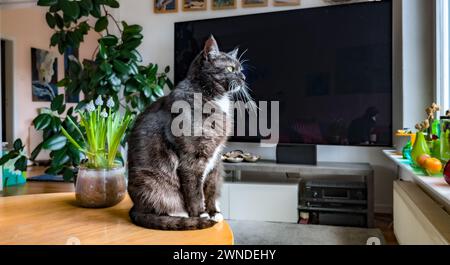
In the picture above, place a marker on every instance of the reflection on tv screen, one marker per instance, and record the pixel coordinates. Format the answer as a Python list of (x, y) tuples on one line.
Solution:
[(330, 68)]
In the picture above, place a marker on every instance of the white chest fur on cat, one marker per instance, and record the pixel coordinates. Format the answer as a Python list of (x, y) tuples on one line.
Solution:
[(224, 104), (212, 161)]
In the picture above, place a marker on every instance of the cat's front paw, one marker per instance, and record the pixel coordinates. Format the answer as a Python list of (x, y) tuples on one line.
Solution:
[(205, 215), (217, 217)]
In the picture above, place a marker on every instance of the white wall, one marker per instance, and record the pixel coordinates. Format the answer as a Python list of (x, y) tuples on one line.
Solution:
[(418, 60), (158, 47), (27, 28)]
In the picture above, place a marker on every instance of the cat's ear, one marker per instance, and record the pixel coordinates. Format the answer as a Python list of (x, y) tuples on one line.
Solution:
[(234, 53), (211, 49)]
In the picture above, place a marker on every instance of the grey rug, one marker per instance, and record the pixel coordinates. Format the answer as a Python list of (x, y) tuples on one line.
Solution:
[(266, 233)]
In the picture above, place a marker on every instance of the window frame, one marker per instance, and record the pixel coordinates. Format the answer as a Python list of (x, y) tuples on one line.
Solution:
[(443, 54)]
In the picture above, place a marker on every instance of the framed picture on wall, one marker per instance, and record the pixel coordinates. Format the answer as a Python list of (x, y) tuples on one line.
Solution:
[(254, 3), (223, 4), (70, 54), (44, 75), (286, 2), (165, 6), (194, 5)]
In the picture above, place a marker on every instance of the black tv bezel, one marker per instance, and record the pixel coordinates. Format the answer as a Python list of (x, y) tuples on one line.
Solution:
[(338, 6)]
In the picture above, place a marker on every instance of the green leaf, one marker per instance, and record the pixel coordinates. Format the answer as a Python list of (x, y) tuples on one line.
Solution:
[(115, 81), (169, 83), (54, 8), (113, 3), (54, 170), (102, 51), (106, 67), (63, 82), (21, 164), (60, 157), (51, 22), (129, 38), (132, 29), (75, 154), (133, 68), (132, 44), (131, 86), (84, 27), (59, 21), (36, 152), (55, 142), (141, 79), (109, 40), (158, 91), (54, 40), (42, 121), (47, 2), (147, 91), (68, 174), (62, 109), (136, 55), (55, 124), (70, 39), (69, 112), (167, 69), (101, 24), (153, 70), (121, 67), (98, 75), (70, 8), (18, 145), (6, 158), (86, 5), (96, 12), (57, 102)]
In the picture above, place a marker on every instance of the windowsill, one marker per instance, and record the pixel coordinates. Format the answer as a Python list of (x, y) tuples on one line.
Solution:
[(434, 186)]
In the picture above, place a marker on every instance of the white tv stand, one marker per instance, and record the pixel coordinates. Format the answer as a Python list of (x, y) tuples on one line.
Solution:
[(277, 201)]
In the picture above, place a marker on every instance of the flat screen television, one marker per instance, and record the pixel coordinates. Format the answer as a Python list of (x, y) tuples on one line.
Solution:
[(329, 67)]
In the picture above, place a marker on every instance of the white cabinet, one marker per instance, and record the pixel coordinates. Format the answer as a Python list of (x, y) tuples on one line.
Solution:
[(260, 202), (417, 218)]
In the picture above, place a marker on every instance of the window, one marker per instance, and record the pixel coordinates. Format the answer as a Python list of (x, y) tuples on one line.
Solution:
[(443, 53)]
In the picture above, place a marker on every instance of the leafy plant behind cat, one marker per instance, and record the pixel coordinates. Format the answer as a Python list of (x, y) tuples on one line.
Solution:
[(115, 71)]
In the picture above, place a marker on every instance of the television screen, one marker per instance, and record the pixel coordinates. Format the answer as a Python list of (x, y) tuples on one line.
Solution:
[(330, 69)]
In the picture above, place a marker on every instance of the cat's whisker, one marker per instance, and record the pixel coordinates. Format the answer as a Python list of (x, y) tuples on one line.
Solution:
[(242, 54), (244, 61), (247, 95)]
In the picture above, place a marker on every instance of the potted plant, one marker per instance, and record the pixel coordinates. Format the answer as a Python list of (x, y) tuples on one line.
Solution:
[(115, 73), (101, 176)]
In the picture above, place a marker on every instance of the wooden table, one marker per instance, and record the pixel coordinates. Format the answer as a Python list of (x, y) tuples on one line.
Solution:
[(55, 219)]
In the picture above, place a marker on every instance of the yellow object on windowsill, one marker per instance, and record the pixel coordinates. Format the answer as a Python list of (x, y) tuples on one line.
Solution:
[(402, 133)]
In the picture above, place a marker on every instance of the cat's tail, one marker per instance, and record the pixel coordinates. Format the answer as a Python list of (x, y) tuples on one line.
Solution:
[(158, 222)]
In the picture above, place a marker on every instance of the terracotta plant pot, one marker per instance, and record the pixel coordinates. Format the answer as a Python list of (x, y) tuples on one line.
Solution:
[(100, 188)]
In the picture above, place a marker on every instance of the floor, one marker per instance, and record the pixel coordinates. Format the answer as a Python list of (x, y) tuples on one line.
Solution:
[(382, 221), (272, 233)]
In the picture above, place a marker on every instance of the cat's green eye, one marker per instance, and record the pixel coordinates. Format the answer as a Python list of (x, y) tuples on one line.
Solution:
[(230, 69)]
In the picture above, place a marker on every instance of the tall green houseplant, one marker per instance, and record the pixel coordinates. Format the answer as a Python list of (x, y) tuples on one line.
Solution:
[(117, 73)]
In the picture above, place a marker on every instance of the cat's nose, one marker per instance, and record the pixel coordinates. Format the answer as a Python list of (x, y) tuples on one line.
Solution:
[(242, 76)]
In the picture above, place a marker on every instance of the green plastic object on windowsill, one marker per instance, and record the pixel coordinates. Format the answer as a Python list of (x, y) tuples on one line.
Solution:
[(420, 147)]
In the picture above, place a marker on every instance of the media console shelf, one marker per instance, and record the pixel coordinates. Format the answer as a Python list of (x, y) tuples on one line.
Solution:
[(364, 170)]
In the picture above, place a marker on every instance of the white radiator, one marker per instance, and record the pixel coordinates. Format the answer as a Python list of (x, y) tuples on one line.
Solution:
[(418, 220)]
